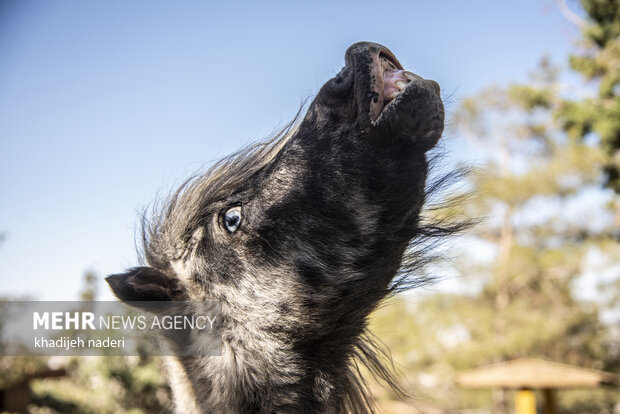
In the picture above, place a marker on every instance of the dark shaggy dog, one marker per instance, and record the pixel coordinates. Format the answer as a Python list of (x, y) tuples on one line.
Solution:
[(299, 239)]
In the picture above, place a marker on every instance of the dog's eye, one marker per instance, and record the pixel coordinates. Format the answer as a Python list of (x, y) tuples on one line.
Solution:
[(232, 219)]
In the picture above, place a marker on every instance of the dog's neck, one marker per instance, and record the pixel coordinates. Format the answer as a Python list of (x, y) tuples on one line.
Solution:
[(245, 382)]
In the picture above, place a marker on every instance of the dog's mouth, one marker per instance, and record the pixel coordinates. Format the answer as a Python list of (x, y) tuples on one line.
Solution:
[(388, 81)]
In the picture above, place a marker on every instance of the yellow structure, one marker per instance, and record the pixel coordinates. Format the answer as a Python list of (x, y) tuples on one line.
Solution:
[(525, 402), (526, 375)]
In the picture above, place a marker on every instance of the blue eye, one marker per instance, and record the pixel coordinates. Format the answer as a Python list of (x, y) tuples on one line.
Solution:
[(232, 219)]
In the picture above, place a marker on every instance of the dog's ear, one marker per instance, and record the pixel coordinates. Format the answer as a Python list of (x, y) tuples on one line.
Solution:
[(142, 284)]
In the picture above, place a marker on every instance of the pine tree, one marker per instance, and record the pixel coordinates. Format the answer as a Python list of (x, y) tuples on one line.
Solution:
[(598, 62)]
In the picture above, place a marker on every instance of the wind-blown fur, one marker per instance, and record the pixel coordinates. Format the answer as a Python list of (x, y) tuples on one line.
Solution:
[(330, 225)]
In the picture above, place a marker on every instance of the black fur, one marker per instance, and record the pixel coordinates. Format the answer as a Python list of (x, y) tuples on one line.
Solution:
[(329, 210)]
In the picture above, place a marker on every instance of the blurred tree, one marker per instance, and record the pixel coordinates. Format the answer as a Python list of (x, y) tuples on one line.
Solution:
[(104, 384), (89, 289), (598, 61)]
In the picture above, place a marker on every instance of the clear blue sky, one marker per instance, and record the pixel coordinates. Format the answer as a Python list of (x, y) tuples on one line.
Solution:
[(105, 103)]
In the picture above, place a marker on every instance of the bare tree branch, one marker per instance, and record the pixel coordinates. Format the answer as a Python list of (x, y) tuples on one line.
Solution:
[(570, 15)]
